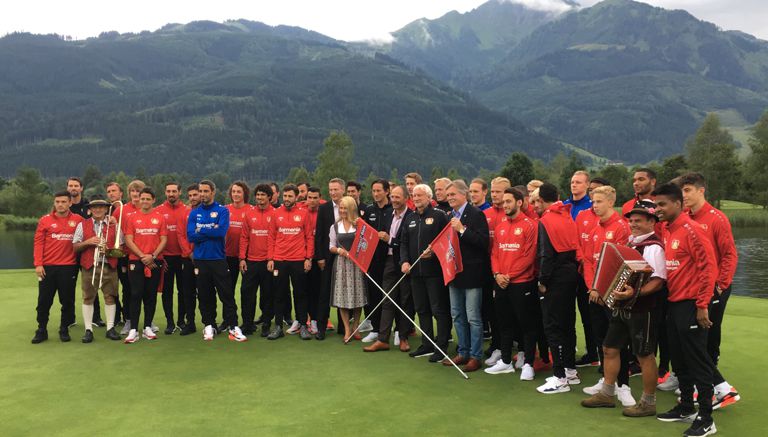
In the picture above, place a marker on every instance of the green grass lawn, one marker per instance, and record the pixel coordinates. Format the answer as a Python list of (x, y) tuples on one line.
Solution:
[(182, 385)]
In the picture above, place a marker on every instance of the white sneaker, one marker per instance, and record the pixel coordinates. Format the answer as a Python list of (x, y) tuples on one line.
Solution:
[(148, 334), (397, 338), (670, 384), (554, 385), (572, 376), (500, 367), (493, 359), (295, 327), (520, 361), (366, 326), (594, 389), (155, 328), (528, 373), (208, 333), (235, 334), (313, 327), (371, 337), (624, 393), (126, 328), (133, 336)]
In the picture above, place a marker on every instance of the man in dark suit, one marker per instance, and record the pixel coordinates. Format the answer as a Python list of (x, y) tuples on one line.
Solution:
[(379, 216), (327, 215), (466, 290), (395, 217)]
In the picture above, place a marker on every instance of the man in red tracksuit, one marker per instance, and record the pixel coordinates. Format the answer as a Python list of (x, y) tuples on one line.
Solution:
[(495, 215), (691, 272), (253, 255), (513, 256), (718, 228), (557, 252), (174, 212), (290, 249), (239, 193), (610, 228), (56, 266)]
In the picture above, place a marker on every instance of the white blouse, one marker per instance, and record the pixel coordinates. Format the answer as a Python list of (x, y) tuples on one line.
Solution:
[(334, 242)]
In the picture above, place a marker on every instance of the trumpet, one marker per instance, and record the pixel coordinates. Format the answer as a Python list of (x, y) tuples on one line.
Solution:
[(99, 253), (115, 251)]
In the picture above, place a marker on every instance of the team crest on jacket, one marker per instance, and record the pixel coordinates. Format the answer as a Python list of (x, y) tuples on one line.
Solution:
[(429, 220), (72, 223), (675, 244), (609, 235), (297, 218), (214, 214), (704, 226), (502, 232), (518, 231), (269, 219), (155, 221)]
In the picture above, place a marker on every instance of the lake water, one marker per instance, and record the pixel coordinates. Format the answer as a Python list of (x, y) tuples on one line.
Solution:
[(751, 277)]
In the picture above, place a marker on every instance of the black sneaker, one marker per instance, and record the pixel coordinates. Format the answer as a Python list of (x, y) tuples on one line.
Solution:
[(678, 413), (421, 351), (100, 323), (436, 357), (701, 427), (64, 335), (88, 337), (181, 324), (586, 360), (189, 328), (265, 329), (40, 336), (276, 332), (170, 329), (222, 328), (247, 329), (112, 334), (320, 335)]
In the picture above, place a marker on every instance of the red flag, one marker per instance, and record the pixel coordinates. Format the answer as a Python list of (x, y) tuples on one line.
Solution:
[(446, 248), (364, 245)]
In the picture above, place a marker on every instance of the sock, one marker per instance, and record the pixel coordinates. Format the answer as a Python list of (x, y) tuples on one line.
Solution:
[(723, 387), (88, 316), (111, 310), (648, 399), (608, 389)]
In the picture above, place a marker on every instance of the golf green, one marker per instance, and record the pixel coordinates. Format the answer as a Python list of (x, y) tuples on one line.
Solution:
[(185, 386)]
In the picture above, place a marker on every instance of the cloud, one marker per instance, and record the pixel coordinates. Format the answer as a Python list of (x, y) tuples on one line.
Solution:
[(557, 6)]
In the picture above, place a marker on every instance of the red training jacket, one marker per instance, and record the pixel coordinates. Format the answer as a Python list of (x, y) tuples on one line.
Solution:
[(691, 266), (613, 230), (254, 238), (146, 230), (718, 228), (236, 218), (514, 250), (561, 228), (494, 216), (53, 240), (174, 216), (290, 235)]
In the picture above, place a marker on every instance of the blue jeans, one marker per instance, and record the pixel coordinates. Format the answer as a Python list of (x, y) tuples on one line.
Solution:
[(466, 311)]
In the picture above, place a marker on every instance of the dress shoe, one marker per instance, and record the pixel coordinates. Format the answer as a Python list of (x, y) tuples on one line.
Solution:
[(404, 346), (88, 337), (100, 323), (472, 365), (320, 336), (189, 328), (265, 326), (436, 357), (64, 335), (40, 336), (112, 334), (377, 346), (458, 360)]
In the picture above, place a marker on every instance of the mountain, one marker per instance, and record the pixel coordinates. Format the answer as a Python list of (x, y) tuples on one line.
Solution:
[(621, 79), (457, 46), (240, 97)]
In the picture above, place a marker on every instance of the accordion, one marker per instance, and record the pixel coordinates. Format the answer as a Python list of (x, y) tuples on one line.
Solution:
[(619, 266)]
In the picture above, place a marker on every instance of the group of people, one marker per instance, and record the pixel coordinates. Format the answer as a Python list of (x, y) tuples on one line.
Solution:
[(529, 261)]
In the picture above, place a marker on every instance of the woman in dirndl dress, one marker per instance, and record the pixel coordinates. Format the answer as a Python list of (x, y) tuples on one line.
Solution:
[(348, 292)]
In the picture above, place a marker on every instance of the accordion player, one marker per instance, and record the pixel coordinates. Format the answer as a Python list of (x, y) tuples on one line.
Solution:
[(618, 266)]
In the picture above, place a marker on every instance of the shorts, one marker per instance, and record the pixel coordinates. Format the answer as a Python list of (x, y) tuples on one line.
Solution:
[(639, 330)]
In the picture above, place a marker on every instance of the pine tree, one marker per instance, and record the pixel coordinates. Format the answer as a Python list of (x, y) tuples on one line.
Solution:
[(712, 152), (335, 160)]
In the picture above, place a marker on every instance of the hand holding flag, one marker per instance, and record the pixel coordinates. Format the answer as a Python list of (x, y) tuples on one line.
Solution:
[(446, 248)]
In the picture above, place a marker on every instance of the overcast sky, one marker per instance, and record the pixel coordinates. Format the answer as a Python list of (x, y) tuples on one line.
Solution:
[(349, 20)]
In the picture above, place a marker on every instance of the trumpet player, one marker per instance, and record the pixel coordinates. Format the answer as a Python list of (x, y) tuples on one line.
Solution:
[(92, 238)]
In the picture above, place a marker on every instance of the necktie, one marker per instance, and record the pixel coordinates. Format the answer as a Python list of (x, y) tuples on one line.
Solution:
[(456, 214)]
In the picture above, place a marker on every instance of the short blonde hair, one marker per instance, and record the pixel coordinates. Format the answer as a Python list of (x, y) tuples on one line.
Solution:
[(501, 181), (535, 183), (351, 206), (136, 185), (581, 173), (606, 190), (534, 196)]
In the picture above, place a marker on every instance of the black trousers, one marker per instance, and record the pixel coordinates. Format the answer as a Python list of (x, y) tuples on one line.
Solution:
[(518, 303), (490, 318), (601, 318), (716, 313), (290, 274), (594, 347), (376, 271), (690, 358), (213, 276), (61, 279), (559, 315), (144, 290), (256, 278), (188, 290), (660, 317), (125, 285), (431, 299), (324, 300), (173, 275), (233, 264), (314, 287), (401, 294)]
